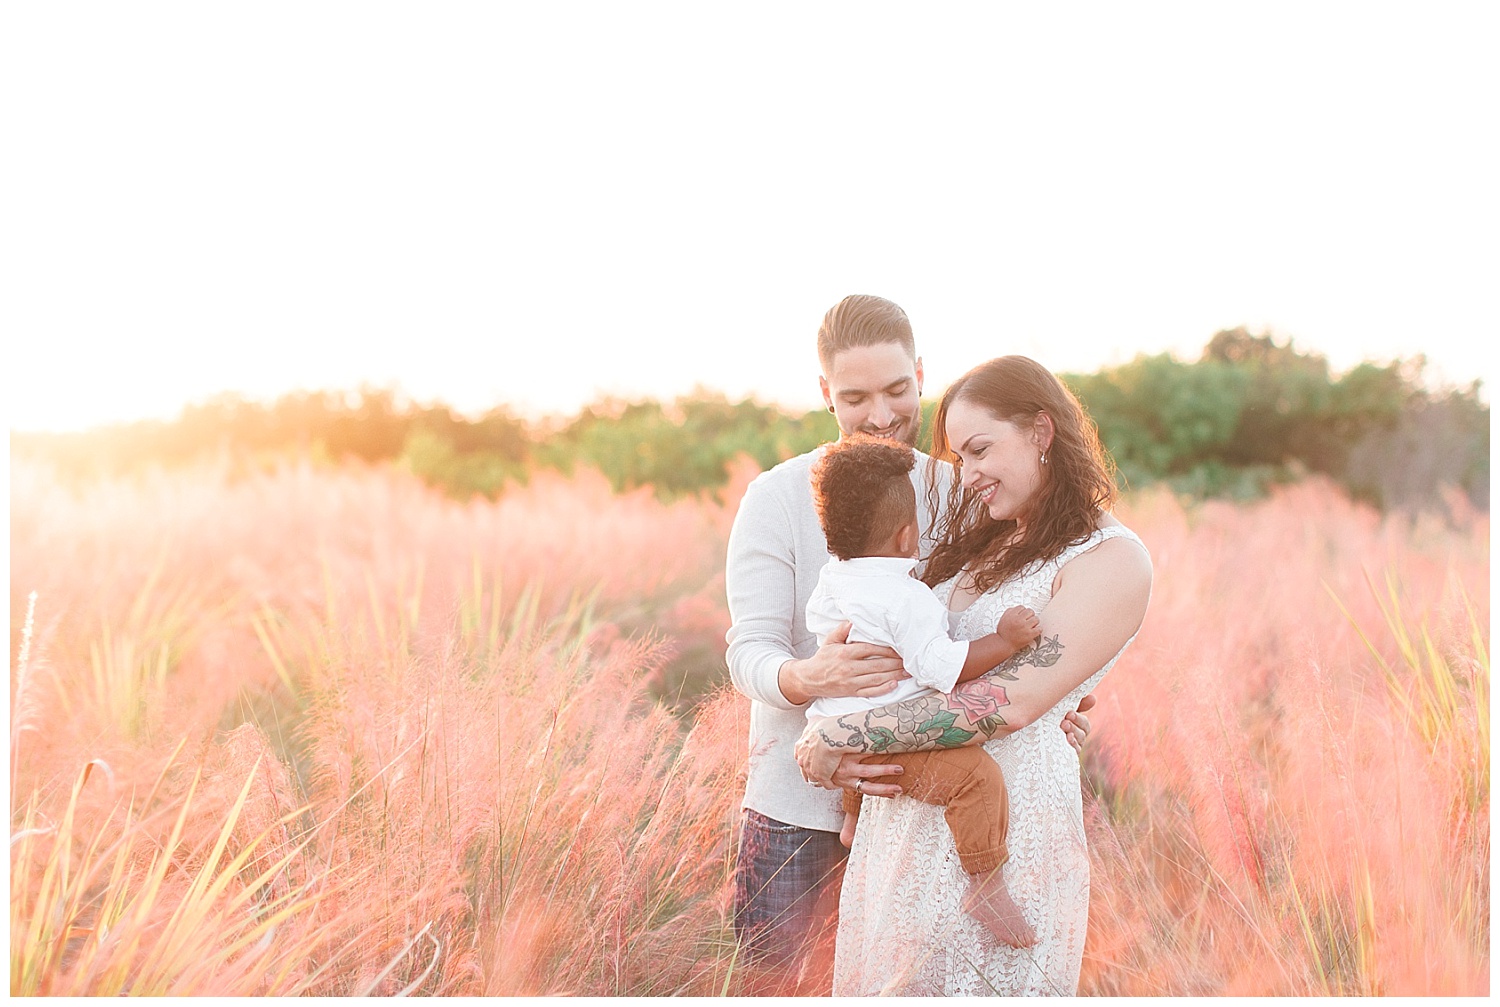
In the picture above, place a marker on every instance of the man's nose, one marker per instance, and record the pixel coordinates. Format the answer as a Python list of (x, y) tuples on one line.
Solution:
[(882, 415)]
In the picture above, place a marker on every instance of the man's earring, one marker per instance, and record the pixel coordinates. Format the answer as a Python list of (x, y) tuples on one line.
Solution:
[(830, 409)]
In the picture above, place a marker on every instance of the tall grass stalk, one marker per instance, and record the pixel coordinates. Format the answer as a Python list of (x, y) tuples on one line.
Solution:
[(23, 705)]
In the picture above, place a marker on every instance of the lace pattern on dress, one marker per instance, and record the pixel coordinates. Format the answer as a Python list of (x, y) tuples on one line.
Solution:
[(901, 928)]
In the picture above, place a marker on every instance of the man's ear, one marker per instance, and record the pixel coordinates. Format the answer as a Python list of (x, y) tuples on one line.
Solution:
[(919, 377), (1042, 432), (827, 396)]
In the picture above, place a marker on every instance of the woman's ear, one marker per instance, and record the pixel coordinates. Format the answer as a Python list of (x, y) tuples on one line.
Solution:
[(1042, 432)]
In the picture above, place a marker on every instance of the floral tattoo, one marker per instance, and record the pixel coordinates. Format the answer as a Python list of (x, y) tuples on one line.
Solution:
[(929, 722), (1042, 654)]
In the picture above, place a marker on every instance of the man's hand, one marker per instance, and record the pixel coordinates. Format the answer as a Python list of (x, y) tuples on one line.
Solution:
[(840, 668), (1076, 726), (852, 768), (826, 768)]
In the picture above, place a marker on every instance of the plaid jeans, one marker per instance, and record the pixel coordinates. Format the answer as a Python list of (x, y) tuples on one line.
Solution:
[(786, 889)]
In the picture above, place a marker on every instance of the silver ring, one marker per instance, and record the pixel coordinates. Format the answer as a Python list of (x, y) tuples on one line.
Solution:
[(858, 784)]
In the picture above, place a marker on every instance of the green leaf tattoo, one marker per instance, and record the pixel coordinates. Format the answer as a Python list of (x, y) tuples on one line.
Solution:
[(954, 737), (941, 722)]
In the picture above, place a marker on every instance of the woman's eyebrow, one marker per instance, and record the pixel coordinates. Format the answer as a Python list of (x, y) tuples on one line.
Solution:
[(965, 445)]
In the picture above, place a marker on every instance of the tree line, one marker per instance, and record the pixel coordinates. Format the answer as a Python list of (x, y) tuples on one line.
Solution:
[(1248, 414)]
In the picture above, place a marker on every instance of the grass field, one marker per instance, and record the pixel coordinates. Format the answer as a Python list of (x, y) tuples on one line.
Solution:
[(318, 730)]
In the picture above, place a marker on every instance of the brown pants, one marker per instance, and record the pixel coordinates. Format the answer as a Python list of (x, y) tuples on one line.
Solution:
[(968, 785)]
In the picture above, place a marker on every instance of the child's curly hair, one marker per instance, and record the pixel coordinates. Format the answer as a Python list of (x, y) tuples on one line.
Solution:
[(863, 493)]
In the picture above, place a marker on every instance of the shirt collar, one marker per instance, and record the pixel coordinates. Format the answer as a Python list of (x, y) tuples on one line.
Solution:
[(882, 566)]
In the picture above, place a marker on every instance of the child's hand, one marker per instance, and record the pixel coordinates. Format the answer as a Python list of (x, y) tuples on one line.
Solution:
[(1019, 626)]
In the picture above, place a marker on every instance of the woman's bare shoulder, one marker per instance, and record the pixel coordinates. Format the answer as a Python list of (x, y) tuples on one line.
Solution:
[(1123, 555), (1107, 520), (1119, 564)]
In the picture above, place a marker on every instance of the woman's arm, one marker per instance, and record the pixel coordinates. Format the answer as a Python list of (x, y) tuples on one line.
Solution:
[(1018, 629), (1099, 601)]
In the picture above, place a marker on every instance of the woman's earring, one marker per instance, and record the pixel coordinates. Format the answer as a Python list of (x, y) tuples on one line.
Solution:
[(1044, 457)]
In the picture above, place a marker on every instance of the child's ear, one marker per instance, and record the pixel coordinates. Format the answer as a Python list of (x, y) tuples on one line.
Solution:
[(906, 539)]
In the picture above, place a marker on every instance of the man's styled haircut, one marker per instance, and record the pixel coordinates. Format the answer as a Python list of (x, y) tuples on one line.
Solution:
[(863, 320), (863, 493)]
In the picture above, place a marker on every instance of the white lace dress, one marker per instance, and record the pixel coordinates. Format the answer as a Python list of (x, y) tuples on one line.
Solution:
[(902, 930)]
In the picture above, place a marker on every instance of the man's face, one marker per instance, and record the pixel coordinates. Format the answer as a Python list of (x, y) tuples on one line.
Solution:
[(875, 390)]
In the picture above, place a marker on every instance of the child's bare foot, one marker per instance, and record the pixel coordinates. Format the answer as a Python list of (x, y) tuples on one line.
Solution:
[(990, 903), (846, 834)]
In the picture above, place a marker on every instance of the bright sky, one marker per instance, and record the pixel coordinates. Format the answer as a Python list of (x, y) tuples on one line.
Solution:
[(537, 203)]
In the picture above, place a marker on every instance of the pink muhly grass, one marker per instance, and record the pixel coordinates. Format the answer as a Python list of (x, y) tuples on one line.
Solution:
[(180, 890), (422, 737), (428, 698), (1270, 819)]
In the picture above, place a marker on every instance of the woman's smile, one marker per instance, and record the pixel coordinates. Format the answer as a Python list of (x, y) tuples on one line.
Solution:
[(999, 461)]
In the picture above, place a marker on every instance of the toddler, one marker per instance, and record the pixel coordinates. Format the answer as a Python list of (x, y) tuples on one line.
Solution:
[(868, 509)]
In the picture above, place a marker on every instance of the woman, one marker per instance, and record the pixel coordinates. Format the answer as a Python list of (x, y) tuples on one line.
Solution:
[(1026, 523)]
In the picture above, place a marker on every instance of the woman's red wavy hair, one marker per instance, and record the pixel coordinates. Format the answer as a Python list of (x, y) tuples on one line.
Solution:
[(1077, 481)]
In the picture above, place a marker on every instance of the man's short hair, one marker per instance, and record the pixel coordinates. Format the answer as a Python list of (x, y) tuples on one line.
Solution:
[(863, 320), (862, 491)]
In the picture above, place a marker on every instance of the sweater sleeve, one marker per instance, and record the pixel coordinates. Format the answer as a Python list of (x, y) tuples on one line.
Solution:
[(760, 582)]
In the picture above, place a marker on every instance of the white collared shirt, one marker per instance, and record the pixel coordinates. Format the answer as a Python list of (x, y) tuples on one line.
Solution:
[(889, 607)]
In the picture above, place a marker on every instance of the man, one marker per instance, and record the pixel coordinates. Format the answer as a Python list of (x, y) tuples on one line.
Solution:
[(790, 858)]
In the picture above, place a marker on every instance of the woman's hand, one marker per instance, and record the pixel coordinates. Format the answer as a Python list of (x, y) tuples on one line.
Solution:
[(825, 767), (818, 761)]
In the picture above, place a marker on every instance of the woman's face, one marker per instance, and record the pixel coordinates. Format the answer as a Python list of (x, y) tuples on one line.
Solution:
[(998, 460)]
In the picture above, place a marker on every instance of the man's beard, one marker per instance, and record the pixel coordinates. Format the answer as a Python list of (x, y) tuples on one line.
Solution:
[(905, 434)]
